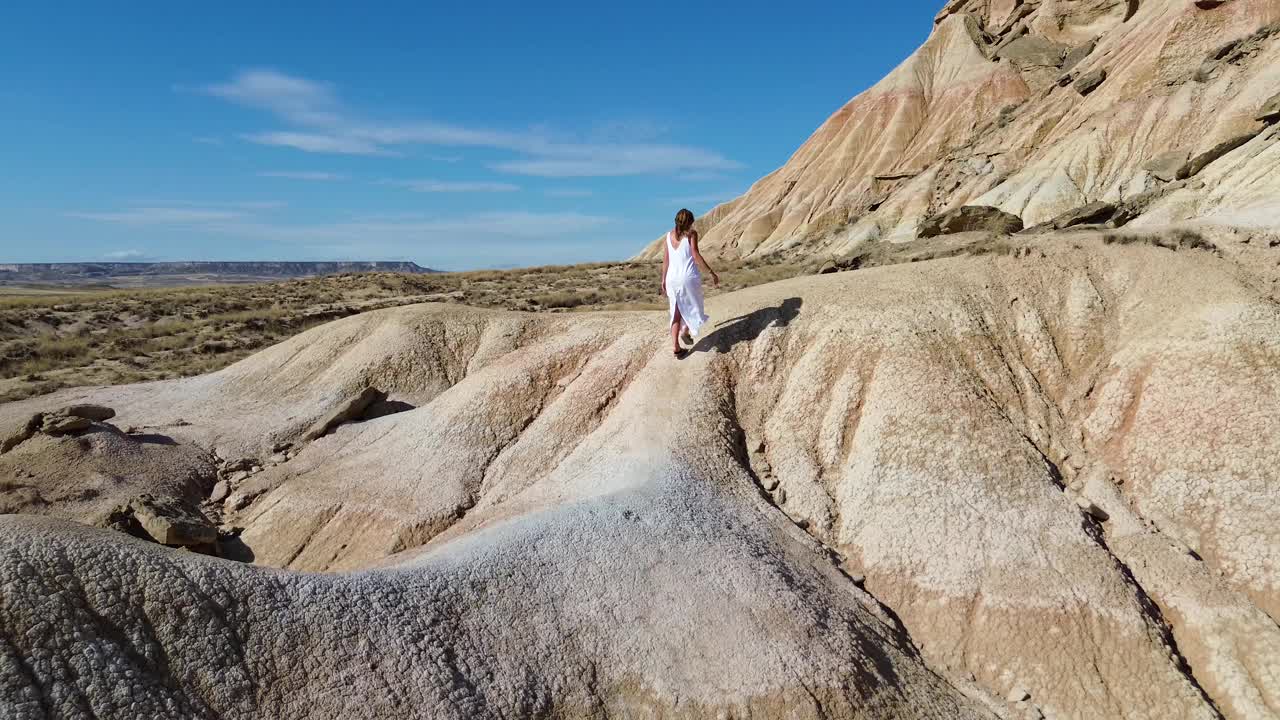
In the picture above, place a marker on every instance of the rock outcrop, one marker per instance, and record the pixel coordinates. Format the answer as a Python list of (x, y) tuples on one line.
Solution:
[(971, 218), (165, 521), (1270, 110), (982, 114)]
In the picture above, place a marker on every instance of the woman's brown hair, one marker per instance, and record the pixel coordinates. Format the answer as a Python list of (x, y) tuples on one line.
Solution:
[(684, 223)]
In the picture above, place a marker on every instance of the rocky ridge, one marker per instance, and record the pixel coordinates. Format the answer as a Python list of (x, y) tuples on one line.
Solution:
[(1037, 108)]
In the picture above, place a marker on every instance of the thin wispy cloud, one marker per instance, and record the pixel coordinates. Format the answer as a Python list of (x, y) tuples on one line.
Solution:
[(568, 193), (253, 204), (297, 99), (162, 202), (319, 122), (161, 216), (448, 186), (318, 143), (303, 175), (131, 255)]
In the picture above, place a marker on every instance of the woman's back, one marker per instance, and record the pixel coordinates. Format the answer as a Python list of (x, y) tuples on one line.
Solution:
[(680, 263)]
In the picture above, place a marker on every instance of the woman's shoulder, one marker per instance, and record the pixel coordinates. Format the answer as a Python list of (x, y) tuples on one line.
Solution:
[(693, 235)]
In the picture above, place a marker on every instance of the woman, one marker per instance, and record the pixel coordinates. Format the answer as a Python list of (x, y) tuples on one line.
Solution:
[(682, 282)]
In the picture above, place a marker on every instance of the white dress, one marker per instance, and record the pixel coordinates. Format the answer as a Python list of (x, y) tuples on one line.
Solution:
[(684, 284)]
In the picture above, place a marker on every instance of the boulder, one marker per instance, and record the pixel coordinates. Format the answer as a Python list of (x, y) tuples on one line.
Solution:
[(220, 491), (1030, 50), (981, 39), (1165, 166), (1015, 17), (244, 463), (1078, 53), (969, 218), (170, 522), (1270, 110), (59, 424), (348, 411), (1094, 212), (1090, 81), (1018, 31), (950, 8), (1199, 162), (96, 413)]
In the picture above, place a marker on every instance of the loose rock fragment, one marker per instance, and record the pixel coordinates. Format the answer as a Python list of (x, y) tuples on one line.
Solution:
[(1199, 162), (57, 424), (1090, 81), (170, 523), (1165, 166), (1078, 53), (1270, 110), (220, 491), (969, 218)]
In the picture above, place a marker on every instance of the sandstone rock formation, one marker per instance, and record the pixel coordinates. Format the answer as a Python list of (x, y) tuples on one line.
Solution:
[(1018, 485), (985, 113), (970, 218), (1033, 477)]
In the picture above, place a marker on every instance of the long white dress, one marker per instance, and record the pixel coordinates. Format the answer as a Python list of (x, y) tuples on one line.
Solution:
[(684, 284)]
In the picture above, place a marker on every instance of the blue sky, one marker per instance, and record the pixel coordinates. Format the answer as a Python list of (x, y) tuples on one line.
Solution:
[(457, 135)]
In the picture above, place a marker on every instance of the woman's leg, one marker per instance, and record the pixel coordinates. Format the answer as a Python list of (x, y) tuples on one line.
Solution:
[(676, 324)]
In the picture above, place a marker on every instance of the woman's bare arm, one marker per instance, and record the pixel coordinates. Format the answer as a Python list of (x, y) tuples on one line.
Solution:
[(666, 258), (697, 255)]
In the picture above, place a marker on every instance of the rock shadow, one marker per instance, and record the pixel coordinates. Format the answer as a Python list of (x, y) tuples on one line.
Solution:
[(746, 328), (231, 547), (154, 439), (383, 408)]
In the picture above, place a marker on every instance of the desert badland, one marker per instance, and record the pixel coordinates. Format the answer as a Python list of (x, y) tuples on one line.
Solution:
[(1006, 450)]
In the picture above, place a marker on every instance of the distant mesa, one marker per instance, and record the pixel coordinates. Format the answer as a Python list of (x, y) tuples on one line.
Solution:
[(149, 272)]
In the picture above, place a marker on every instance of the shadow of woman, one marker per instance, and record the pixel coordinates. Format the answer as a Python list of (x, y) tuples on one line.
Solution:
[(746, 328)]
